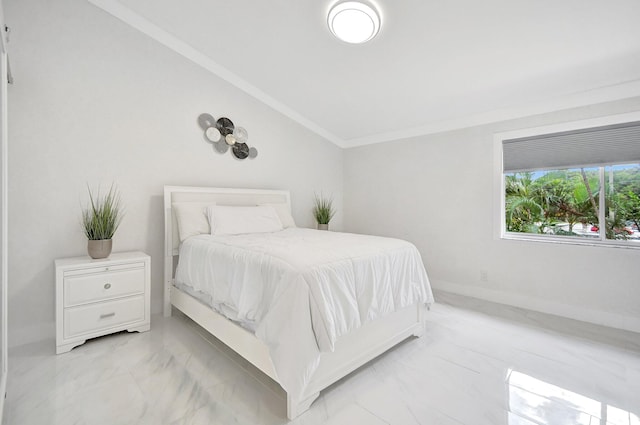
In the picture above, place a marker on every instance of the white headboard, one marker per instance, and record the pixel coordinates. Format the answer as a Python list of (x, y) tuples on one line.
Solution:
[(221, 196)]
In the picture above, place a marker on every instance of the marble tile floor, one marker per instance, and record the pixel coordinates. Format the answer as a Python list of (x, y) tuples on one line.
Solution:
[(469, 368)]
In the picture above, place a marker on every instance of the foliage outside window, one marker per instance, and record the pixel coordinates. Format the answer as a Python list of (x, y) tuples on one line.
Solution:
[(579, 184), (566, 202)]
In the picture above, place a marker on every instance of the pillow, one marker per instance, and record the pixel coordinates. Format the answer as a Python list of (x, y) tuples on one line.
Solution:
[(192, 218), (284, 214), (227, 220)]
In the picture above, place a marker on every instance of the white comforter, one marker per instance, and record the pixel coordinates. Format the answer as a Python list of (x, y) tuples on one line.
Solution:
[(301, 289)]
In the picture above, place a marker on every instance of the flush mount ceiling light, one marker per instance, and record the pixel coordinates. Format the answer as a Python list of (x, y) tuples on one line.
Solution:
[(353, 22)]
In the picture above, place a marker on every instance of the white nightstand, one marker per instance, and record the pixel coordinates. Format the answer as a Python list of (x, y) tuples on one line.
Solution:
[(99, 297)]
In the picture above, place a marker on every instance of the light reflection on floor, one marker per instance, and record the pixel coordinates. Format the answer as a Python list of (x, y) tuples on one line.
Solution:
[(533, 401)]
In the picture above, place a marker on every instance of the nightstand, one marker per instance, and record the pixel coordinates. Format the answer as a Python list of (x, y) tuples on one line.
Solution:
[(99, 297)]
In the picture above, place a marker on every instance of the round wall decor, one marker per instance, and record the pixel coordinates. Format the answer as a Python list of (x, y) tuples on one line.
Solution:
[(223, 134)]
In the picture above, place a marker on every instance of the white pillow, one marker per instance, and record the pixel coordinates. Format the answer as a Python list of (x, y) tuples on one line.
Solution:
[(284, 214), (227, 220), (192, 218)]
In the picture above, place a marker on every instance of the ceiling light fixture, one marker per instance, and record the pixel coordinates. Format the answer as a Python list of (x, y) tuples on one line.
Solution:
[(353, 22)]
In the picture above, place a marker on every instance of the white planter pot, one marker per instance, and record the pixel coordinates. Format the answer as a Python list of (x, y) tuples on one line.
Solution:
[(99, 248)]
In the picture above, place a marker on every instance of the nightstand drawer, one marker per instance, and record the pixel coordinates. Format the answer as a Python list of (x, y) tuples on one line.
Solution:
[(85, 288), (103, 269), (95, 317)]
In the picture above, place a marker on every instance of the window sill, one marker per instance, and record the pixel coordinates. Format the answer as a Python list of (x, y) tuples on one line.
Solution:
[(635, 244)]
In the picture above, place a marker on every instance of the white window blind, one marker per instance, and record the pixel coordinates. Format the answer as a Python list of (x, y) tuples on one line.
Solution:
[(598, 146)]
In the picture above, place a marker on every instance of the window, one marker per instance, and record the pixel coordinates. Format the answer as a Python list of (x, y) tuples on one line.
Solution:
[(579, 185)]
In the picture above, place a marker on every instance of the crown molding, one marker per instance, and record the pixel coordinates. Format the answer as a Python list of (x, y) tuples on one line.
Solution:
[(610, 93)]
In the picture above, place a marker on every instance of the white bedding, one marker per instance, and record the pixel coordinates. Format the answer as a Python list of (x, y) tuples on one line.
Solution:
[(300, 289)]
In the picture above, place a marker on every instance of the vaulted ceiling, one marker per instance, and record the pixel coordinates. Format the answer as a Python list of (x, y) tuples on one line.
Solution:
[(434, 66)]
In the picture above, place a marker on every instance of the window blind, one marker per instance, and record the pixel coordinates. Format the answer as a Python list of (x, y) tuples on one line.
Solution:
[(598, 146)]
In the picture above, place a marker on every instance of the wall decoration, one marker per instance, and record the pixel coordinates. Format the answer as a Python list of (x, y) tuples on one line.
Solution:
[(223, 134)]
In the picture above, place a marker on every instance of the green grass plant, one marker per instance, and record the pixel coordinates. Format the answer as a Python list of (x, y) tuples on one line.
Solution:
[(323, 209), (103, 215)]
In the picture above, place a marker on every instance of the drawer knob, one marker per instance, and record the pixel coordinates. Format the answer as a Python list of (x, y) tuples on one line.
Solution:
[(107, 285), (104, 316)]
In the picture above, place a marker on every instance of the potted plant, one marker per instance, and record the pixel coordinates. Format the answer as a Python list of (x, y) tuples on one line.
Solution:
[(323, 211), (100, 220)]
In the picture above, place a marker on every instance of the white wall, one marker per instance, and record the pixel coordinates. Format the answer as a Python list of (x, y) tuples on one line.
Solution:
[(437, 191), (96, 102)]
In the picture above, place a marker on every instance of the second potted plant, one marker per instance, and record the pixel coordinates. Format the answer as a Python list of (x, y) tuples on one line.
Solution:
[(100, 221), (323, 211)]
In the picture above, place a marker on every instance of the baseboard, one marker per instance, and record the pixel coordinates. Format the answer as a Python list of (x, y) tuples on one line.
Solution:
[(597, 317)]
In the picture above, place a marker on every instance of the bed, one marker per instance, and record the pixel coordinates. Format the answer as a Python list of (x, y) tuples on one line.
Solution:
[(314, 331)]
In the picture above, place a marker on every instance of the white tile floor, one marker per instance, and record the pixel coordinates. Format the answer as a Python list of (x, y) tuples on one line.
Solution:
[(469, 368)]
